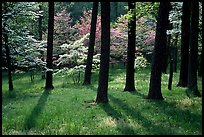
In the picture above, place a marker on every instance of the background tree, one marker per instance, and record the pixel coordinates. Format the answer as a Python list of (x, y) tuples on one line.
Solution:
[(158, 53), (193, 56), (102, 96), (87, 76), (50, 47), (6, 44), (130, 81), (185, 35)]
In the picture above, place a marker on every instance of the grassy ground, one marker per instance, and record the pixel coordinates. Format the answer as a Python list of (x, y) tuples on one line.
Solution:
[(69, 108)]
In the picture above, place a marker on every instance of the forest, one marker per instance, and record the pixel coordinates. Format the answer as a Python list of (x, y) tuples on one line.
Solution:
[(102, 68)]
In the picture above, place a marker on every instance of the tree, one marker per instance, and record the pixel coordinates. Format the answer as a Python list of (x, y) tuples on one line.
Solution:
[(158, 53), (102, 96), (130, 82), (40, 23), (202, 45), (8, 58), (87, 76), (50, 47), (183, 77), (193, 56), (166, 51)]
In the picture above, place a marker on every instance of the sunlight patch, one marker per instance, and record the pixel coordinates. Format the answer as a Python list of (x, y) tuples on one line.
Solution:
[(185, 102), (108, 121)]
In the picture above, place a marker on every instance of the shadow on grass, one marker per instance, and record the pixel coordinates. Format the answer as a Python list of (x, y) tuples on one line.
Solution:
[(170, 109), (30, 121), (124, 129), (150, 127)]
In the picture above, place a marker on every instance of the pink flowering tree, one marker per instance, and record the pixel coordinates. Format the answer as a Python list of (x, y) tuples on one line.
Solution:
[(64, 33)]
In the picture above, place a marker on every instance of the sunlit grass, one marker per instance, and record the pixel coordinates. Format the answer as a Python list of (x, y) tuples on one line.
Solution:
[(69, 108)]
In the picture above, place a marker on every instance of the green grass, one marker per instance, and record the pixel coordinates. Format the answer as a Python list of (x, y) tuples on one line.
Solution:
[(69, 108)]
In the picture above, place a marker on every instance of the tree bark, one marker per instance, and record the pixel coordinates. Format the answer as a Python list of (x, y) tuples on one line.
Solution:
[(8, 58), (202, 47), (158, 53), (130, 71), (102, 96), (193, 56), (40, 24), (175, 54), (50, 47), (87, 76), (170, 74), (183, 77)]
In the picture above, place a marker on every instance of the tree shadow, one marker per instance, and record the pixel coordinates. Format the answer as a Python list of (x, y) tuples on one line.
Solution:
[(134, 114), (171, 109), (31, 120), (117, 116)]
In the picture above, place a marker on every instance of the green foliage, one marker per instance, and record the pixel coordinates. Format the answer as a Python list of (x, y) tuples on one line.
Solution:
[(74, 59)]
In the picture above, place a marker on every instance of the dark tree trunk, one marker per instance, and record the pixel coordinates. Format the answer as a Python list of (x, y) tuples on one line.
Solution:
[(130, 71), (170, 74), (87, 76), (202, 47), (158, 53), (50, 47), (183, 77), (102, 96), (175, 53), (166, 47), (40, 24), (193, 56), (8, 58), (166, 54)]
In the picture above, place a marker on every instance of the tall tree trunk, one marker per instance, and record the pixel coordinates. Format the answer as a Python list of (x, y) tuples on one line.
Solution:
[(40, 23), (202, 47), (166, 47), (183, 77), (170, 74), (167, 54), (158, 53), (50, 47), (130, 71), (87, 76), (193, 56), (102, 96), (175, 53), (8, 58)]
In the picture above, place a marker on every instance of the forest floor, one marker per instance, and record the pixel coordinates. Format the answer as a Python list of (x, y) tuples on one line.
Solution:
[(69, 107)]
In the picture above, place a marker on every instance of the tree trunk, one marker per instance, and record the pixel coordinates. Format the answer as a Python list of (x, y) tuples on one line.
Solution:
[(193, 56), (175, 53), (183, 77), (202, 47), (50, 47), (166, 47), (102, 96), (130, 71), (87, 76), (166, 54), (158, 53), (40, 24), (170, 74), (8, 58)]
